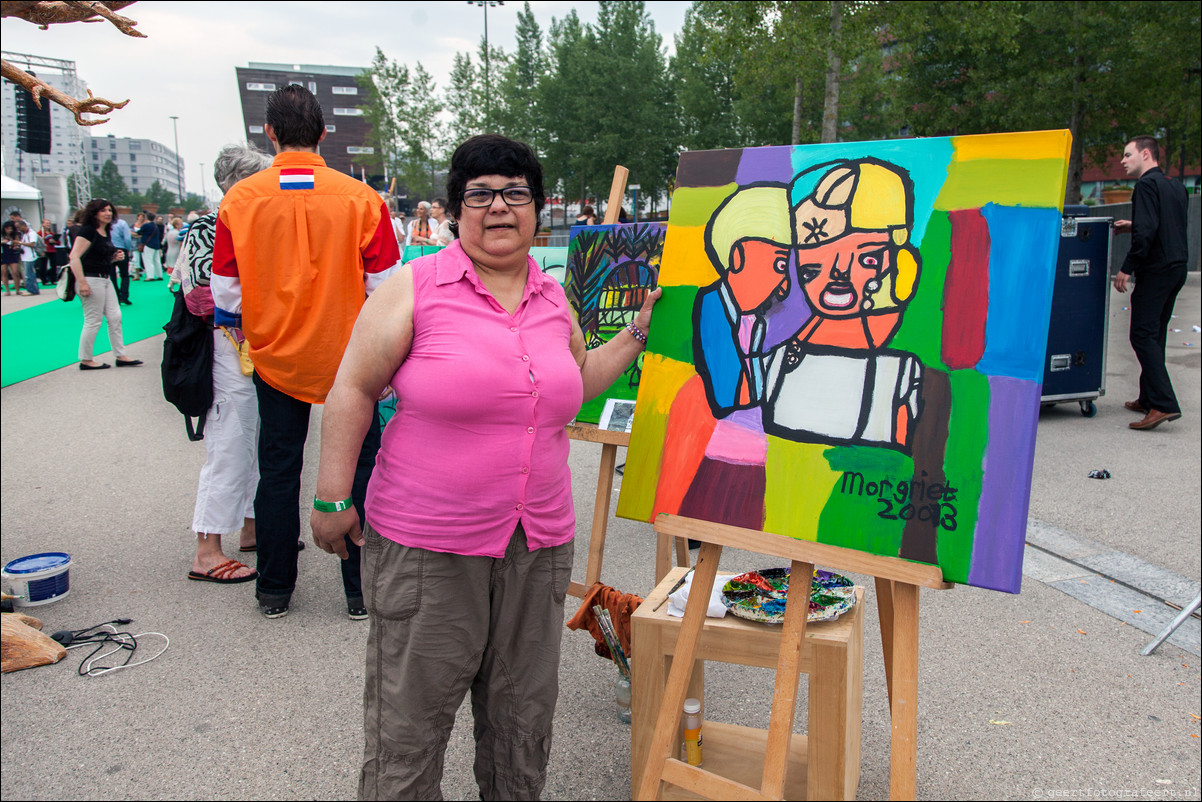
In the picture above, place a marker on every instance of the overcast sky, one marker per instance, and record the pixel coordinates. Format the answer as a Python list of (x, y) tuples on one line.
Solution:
[(186, 65)]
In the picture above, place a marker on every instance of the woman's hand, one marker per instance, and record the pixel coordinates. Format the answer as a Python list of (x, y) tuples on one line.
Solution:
[(643, 319), (118, 255), (329, 528), (83, 289)]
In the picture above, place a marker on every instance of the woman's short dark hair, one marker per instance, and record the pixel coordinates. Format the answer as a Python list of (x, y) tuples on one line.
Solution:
[(295, 116), (95, 206), (493, 154)]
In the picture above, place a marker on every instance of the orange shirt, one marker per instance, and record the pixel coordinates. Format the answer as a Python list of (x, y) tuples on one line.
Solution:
[(298, 248)]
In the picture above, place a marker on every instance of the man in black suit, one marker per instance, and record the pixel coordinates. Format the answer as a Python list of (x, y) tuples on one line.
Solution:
[(1157, 260)]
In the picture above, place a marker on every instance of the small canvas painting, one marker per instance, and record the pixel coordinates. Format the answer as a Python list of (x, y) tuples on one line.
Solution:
[(850, 345), (610, 270)]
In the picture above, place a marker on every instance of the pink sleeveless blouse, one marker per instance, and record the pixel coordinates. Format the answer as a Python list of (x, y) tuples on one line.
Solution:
[(477, 442)]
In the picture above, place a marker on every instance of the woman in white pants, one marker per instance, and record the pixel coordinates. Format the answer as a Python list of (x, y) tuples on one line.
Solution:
[(225, 496), (92, 260)]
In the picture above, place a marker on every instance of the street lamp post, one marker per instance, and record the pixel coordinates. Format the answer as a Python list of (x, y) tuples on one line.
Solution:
[(487, 82), (179, 176), (634, 202)]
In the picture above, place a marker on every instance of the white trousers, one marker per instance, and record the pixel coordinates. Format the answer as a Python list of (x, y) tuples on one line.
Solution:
[(230, 475), (152, 263), (102, 303)]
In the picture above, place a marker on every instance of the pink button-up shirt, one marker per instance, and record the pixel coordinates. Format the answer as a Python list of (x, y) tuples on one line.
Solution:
[(477, 442)]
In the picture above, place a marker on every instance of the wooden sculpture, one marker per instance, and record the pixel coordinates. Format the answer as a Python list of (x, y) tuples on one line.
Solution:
[(45, 13)]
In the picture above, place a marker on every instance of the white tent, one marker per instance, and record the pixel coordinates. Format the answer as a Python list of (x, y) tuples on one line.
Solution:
[(21, 197)]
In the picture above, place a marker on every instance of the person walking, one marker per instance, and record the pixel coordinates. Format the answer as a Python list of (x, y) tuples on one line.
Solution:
[(46, 272), (1157, 262), (123, 240), (11, 259), (92, 259), (151, 249), (298, 247), (29, 258)]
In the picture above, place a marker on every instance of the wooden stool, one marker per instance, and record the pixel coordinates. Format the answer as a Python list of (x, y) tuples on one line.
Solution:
[(825, 764)]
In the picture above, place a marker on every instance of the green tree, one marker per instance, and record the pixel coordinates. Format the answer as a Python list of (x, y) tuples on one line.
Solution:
[(520, 114), (109, 184), (464, 101), (612, 102), (387, 84), (160, 195), (560, 91), (768, 72), (421, 133), (705, 84), (1104, 71)]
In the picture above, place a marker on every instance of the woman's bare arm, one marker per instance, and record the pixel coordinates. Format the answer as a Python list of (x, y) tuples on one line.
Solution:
[(379, 344)]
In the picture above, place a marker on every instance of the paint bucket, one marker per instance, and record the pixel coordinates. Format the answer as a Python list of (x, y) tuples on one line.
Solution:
[(39, 578)]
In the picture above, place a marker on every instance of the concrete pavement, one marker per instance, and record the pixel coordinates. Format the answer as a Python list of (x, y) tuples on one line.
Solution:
[(1042, 695)]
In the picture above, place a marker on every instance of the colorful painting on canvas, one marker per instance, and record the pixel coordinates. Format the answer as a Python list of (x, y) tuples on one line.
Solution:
[(610, 270), (850, 346)]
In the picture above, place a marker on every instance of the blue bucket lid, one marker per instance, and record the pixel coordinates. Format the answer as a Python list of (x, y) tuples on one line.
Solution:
[(38, 562)]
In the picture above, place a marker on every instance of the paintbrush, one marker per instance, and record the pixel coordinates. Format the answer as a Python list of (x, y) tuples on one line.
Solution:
[(605, 624), (613, 633)]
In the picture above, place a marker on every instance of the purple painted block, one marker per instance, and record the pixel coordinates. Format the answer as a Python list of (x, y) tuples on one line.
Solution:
[(997, 555), (764, 164)]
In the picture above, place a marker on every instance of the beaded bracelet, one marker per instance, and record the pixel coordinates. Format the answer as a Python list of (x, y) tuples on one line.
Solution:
[(637, 333), (332, 506)]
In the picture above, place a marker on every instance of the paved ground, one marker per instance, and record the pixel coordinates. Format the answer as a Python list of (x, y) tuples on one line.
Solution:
[(1042, 695)]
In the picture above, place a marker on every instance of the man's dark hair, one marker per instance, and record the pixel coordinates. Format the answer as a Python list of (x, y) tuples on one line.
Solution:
[(150, 216), (295, 116), (95, 207), (1147, 143), (493, 154)]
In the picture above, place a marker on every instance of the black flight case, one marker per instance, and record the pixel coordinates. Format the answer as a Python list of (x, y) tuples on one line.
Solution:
[(1076, 358)]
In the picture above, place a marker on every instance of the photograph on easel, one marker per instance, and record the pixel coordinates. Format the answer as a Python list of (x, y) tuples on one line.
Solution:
[(850, 346), (610, 270)]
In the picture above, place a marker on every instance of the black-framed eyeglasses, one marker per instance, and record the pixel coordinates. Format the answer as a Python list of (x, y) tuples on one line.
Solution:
[(513, 196)]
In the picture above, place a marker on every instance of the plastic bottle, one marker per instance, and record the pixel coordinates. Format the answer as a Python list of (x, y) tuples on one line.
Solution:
[(691, 723), (622, 695)]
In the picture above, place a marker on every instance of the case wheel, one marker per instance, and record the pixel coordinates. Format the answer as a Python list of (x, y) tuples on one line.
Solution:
[(1088, 409)]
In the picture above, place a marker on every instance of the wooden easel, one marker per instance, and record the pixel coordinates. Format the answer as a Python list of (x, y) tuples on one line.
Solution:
[(897, 583), (617, 190), (610, 441)]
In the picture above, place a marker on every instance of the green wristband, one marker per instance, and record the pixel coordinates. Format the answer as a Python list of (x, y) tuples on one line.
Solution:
[(332, 506)]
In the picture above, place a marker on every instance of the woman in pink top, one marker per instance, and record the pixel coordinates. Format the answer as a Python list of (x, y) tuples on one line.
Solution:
[(468, 540)]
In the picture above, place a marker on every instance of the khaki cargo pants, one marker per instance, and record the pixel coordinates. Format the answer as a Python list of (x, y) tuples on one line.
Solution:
[(442, 624)]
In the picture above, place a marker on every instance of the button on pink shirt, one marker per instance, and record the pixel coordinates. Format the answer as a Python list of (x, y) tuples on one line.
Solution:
[(478, 441)]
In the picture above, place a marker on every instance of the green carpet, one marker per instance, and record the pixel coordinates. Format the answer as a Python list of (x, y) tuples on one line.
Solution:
[(45, 337)]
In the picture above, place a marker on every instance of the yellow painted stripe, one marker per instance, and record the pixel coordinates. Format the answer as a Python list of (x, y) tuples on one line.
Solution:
[(1030, 145), (684, 263), (661, 380), (1035, 183)]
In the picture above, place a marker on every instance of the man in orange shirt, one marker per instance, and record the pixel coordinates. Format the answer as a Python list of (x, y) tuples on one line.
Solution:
[(298, 249)]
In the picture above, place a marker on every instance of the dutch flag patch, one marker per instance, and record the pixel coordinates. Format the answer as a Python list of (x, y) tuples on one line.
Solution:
[(296, 178)]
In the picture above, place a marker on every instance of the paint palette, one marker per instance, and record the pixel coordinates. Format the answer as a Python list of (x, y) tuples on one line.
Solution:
[(760, 595)]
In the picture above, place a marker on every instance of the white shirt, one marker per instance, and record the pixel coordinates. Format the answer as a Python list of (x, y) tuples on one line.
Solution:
[(398, 228), (27, 253)]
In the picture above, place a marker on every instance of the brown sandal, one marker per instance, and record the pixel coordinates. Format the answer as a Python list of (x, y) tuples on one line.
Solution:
[(222, 574)]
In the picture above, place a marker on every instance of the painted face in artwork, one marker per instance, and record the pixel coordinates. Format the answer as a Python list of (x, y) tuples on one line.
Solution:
[(839, 276), (758, 271)]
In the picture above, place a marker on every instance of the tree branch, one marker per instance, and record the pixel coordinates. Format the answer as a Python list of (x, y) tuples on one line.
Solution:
[(91, 105)]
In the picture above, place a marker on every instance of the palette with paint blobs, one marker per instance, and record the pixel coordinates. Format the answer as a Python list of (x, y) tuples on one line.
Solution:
[(760, 595)]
